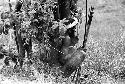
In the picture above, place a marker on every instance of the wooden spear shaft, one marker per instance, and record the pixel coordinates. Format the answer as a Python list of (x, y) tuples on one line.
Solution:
[(87, 26), (86, 12), (84, 42)]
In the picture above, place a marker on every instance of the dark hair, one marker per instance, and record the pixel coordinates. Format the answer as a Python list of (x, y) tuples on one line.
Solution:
[(18, 6), (66, 6)]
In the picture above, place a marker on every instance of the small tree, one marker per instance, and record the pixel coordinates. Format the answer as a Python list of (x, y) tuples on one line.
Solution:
[(31, 21)]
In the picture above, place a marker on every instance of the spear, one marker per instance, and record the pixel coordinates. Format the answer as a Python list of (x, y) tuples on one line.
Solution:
[(86, 16), (87, 25)]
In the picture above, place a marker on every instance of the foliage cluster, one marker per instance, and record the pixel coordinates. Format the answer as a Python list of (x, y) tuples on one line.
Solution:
[(32, 17)]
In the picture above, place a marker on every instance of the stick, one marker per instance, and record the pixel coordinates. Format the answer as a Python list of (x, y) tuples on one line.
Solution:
[(84, 42), (87, 27)]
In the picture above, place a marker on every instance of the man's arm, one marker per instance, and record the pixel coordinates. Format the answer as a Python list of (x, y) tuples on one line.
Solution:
[(75, 22), (69, 23)]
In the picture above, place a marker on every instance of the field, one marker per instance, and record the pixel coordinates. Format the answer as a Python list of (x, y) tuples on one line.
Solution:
[(105, 61)]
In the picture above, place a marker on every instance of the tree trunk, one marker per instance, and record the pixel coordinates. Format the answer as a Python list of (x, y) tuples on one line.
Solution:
[(20, 47)]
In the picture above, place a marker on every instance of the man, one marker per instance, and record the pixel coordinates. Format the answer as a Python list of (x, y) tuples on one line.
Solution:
[(67, 9), (70, 58)]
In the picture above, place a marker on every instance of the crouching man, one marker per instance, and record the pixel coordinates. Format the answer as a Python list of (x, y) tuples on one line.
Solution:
[(70, 58)]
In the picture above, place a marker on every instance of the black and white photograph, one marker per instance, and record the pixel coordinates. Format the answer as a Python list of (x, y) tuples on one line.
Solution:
[(62, 41)]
